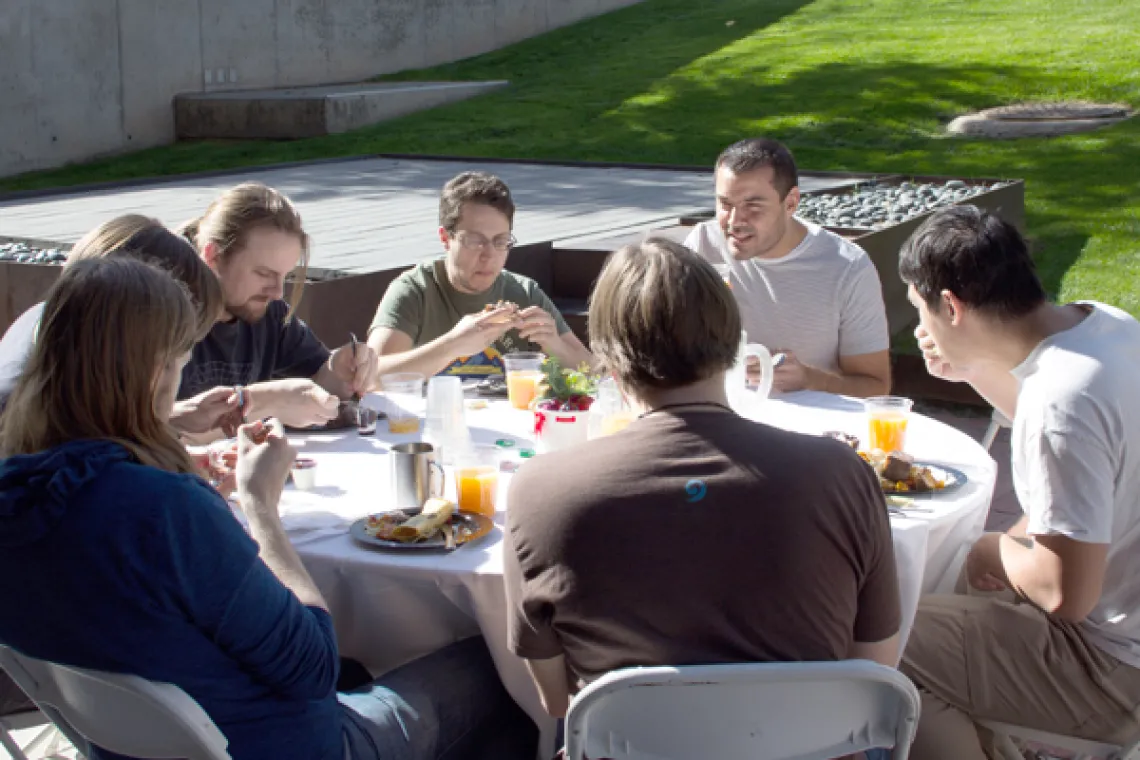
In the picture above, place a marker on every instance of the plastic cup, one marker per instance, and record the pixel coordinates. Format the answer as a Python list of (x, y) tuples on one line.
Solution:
[(887, 418), (404, 401), (445, 424), (477, 480), (305, 474), (524, 372), (610, 413)]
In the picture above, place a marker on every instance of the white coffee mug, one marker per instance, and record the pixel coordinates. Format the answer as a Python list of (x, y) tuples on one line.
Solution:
[(741, 397)]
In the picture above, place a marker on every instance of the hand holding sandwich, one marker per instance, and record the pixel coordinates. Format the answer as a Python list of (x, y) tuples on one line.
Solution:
[(474, 332)]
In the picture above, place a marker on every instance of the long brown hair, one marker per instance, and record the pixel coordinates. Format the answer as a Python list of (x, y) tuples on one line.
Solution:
[(109, 325), (141, 237), (237, 212)]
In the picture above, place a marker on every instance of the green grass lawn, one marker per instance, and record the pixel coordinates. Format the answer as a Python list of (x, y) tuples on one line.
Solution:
[(862, 85)]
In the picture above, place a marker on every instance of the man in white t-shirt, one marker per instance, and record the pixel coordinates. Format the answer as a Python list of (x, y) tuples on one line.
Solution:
[(803, 291), (1058, 647)]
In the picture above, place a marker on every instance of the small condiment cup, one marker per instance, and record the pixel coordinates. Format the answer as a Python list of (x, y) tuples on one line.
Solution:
[(305, 474)]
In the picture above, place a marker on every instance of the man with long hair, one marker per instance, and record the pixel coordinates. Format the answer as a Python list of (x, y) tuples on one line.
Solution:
[(253, 239)]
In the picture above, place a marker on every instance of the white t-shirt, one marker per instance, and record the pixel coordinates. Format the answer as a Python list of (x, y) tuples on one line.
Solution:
[(1076, 458), (823, 300)]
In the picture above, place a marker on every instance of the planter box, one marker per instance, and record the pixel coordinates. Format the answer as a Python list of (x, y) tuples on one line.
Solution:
[(22, 286)]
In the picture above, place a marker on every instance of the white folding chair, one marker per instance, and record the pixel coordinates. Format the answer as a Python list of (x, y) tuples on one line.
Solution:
[(124, 714), (997, 422), (1085, 749), (767, 711)]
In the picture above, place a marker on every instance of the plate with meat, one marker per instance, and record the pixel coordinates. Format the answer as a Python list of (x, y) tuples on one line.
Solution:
[(900, 474), (438, 526)]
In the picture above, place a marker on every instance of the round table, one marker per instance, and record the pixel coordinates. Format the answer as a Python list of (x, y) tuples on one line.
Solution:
[(390, 608)]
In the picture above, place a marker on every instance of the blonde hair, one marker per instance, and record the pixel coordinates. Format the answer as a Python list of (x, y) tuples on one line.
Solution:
[(141, 237), (230, 219), (662, 318), (108, 327)]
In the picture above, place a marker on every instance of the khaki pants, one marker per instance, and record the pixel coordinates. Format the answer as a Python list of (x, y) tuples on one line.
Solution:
[(991, 659)]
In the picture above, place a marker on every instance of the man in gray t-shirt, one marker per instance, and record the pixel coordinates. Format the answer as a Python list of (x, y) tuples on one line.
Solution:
[(803, 291)]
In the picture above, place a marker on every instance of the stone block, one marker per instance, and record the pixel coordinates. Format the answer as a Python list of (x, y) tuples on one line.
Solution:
[(311, 111)]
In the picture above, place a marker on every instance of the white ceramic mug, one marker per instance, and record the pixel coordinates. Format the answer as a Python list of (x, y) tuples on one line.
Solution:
[(741, 397)]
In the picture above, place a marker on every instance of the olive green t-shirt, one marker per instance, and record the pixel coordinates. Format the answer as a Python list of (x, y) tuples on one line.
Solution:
[(423, 304)]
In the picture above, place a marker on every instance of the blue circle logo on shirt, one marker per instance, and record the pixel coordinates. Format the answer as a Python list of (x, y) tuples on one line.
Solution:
[(696, 490)]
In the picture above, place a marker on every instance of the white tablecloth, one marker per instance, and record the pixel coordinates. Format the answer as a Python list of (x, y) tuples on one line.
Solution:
[(390, 608)]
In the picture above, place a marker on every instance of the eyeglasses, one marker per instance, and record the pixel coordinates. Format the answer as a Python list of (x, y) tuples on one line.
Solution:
[(473, 241)]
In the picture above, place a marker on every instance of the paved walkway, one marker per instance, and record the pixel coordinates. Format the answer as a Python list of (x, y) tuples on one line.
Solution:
[(366, 215)]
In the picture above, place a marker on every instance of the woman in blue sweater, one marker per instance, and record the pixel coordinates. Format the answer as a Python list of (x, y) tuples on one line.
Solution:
[(116, 556)]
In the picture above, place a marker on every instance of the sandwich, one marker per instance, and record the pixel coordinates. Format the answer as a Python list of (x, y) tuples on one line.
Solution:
[(435, 513)]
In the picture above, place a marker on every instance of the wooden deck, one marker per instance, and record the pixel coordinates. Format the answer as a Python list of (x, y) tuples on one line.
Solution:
[(366, 215)]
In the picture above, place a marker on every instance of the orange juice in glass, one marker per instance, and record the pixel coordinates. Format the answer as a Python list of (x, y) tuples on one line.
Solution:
[(477, 481), (887, 418), (404, 401), (524, 371), (616, 422)]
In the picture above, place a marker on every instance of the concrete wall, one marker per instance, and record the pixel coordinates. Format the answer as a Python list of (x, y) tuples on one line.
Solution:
[(83, 78)]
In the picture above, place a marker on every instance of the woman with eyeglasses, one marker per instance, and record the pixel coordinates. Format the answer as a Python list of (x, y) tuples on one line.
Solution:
[(459, 314)]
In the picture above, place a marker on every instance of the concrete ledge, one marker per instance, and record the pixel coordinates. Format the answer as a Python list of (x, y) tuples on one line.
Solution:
[(298, 112)]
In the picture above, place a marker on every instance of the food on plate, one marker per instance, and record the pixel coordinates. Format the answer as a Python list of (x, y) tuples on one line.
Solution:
[(564, 390), (899, 474), (897, 470), (439, 517), (434, 514), (897, 466)]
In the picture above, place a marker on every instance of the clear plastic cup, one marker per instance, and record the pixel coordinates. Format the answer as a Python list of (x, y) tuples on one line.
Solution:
[(445, 423), (610, 413), (404, 401), (524, 371), (887, 418)]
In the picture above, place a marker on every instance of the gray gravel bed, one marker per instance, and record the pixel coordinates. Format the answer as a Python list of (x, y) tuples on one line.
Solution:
[(873, 206), (26, 254)]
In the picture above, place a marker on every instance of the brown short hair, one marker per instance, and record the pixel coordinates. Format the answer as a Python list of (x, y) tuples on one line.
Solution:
[(759, 153), (662, 318), (141, 237), (239, 211), (474, 187)]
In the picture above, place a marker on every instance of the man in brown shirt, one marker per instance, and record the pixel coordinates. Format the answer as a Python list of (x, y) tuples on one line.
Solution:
[(694, 536)]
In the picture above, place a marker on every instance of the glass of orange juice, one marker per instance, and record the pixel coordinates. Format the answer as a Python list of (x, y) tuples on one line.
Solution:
[(610, 413), (524, 371), (404, 401), (887, 418), (477, 480)]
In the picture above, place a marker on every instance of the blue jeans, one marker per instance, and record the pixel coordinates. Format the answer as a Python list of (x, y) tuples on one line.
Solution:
[(449, 705)]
